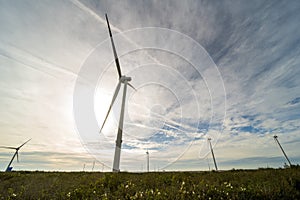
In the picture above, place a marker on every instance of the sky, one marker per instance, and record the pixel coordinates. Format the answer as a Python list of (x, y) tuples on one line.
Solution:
[(225, 70)]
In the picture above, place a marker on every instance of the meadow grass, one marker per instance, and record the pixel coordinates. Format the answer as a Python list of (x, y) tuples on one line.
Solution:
[(234, 184)]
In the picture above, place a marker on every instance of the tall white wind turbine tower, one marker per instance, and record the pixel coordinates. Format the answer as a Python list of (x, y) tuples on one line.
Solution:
[(125, 80), (9, 168)]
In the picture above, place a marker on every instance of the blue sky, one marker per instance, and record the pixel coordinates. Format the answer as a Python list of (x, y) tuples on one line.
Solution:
[(226, 70)]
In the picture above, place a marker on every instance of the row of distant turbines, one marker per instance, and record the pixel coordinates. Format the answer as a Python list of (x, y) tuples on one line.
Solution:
[(9, 168)]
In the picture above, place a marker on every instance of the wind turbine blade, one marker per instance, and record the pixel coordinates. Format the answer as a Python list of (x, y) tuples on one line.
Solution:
[(114, 49), (132, 86), (24, 143), (111, 104), (7, 147)]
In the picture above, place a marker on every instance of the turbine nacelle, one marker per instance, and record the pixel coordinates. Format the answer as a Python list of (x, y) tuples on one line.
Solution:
[(125, 78)]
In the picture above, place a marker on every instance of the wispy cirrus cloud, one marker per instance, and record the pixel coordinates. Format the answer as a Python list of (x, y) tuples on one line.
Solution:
[(255, 46)]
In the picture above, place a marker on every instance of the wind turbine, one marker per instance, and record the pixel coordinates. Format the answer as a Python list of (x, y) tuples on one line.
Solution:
[(147, 152), (9, 168), (93, 165), (213, 155), (275, 138), (125, 80)]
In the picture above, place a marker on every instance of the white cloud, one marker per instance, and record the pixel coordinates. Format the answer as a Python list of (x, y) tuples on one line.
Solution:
[(43, 46)]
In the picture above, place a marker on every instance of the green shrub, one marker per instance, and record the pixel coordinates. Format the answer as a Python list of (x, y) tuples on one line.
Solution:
[(234, 184)]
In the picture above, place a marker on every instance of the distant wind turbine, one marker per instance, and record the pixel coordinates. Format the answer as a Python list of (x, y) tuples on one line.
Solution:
[(213, 155), (125, 80), (93, 165), (275, 138), (208, 164), (147, 152), (9, 168)]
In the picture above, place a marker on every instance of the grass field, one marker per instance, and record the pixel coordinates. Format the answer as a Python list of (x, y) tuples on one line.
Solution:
[(235, 184)]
